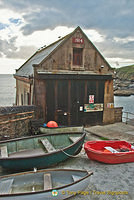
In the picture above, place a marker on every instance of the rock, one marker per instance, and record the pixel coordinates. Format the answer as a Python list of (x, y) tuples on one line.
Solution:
[(121, 92), (131, 85), (123, 87), (124, 81)]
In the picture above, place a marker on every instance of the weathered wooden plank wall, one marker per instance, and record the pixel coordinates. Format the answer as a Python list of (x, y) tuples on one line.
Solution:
[(60, 99)]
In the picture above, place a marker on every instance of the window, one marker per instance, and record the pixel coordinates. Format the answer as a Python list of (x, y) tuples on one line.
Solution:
[(77, 56)]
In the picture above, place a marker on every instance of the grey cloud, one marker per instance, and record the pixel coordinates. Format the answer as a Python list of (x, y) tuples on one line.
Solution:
[(1, 55), (41, 21), (9, 49), (112, 49), (113, 17), (7, 46), (24, 52)]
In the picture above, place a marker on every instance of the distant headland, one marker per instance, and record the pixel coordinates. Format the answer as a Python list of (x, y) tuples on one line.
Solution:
[(124, 81)]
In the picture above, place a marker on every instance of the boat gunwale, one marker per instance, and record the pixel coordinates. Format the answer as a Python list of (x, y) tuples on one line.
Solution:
[(83, 134), (49, 190), (40, 135)]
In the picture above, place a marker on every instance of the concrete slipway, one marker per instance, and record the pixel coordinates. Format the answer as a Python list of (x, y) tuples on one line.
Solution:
[(109, 182)]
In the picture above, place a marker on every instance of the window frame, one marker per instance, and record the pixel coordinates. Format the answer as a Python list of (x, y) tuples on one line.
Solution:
[(77, 56)]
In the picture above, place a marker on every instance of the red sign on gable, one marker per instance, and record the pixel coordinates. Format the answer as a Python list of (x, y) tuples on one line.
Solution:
[(77, 40)]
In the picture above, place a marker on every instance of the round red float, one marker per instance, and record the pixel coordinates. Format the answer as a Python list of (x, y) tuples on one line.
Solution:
[(52, 124)]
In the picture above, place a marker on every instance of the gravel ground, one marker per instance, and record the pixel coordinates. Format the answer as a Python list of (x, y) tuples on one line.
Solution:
[(109, 182)]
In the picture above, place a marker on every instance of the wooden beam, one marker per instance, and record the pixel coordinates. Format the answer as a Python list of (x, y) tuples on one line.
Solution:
[(4, 153), (74, 139), (70, 76), (85, 96), (56, 98), (15, 120), (15, 114), (49, 147), (6, 186), (24, 79), (47, 181), (69, 102)]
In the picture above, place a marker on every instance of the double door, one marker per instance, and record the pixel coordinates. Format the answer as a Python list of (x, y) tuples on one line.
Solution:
[(65, 100)]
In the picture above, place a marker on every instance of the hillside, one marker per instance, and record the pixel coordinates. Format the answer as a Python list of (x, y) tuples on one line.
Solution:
[(126, 73), (124, 81)]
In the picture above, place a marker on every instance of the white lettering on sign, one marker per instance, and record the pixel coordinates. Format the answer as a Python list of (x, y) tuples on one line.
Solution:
[(78, 40)]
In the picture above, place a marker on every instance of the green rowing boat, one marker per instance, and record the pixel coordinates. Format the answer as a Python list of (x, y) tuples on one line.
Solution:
[(40, 151)]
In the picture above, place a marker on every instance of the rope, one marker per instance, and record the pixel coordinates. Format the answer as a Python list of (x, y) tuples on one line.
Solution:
[(69, 154)]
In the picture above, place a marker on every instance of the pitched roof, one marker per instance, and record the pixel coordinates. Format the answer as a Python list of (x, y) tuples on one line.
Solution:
[(39, 56), (26, 69)]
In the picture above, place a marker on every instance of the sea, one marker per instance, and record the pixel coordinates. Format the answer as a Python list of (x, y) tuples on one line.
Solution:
[(8, 91)]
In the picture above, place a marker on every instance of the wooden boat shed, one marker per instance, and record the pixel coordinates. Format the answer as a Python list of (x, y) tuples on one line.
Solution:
[(69, 81)]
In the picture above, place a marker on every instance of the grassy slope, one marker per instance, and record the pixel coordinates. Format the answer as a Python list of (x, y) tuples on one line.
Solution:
[(126, 72)]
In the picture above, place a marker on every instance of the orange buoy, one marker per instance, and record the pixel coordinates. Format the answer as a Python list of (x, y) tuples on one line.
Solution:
[(52, 124)]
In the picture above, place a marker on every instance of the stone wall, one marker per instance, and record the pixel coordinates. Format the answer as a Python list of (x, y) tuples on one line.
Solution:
[(118, 114), (15, 120)]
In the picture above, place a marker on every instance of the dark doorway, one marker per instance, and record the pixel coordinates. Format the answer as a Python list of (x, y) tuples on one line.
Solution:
[(65, 100), (50, 100), (77, 101), (62, 102)]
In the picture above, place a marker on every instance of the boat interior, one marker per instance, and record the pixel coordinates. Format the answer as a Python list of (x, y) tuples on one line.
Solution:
[(109, 146), (36, 145), (38, 181)]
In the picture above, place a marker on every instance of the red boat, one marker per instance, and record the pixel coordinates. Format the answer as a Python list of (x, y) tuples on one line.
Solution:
[(112, 152)]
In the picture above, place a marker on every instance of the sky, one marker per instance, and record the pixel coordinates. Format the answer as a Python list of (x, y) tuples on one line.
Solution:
[(27, 25)]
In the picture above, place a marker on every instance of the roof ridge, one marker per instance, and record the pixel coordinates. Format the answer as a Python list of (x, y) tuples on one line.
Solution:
[(38, 51)]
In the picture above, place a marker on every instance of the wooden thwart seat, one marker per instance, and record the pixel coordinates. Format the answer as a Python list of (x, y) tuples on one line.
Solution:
[(74, 139), (76, 178), (4, 153), (5, 186), (49, 147), (47, 181)]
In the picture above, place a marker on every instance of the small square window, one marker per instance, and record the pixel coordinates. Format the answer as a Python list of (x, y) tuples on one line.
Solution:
[(77, 56)]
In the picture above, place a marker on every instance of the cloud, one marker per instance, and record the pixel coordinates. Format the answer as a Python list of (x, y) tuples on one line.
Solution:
[(102, 14), (8, 66), (24, 52), (3, 26), (6, 46), (10, 50), (124, 40), (27, 25)]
